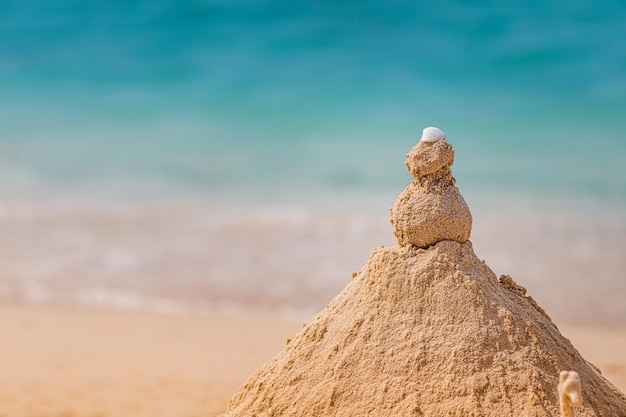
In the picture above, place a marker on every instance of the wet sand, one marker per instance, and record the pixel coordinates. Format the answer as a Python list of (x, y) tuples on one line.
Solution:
[(71, 362)]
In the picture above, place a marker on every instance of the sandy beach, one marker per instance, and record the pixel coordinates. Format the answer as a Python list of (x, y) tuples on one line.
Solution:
[(61, 362), (73, 362), (208, 209)]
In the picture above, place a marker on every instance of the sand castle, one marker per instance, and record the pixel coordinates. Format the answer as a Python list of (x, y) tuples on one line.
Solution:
[(425, 328)]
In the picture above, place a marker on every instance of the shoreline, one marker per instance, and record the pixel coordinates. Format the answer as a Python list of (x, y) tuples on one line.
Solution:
[(87, 362), (178, 257)]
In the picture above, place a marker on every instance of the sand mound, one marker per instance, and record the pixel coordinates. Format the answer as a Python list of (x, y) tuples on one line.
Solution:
[(425, 332)]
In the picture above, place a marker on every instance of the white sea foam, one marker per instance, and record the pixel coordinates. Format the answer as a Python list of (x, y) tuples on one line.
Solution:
[(238, 260)]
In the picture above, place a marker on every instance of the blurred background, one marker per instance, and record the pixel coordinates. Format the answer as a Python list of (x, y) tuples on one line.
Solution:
[(240, 157)]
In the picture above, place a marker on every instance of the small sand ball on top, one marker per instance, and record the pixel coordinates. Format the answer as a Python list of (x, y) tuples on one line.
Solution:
[(431, 154)]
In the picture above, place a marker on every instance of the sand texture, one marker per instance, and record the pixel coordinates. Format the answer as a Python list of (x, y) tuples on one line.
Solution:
[(426, 329), (431, 208), (84, 363), (425, 332)]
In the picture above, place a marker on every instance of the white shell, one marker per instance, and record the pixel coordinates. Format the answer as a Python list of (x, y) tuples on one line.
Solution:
[(432, 134)]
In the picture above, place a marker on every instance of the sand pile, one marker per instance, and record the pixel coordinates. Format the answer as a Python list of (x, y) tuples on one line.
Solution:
[(426, 331)]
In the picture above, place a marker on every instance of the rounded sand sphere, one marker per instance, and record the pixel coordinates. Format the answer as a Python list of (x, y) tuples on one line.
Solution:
[(428, 157), (423, 219)]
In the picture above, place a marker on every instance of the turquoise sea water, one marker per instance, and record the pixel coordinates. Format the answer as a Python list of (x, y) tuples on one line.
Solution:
[(304, 110)]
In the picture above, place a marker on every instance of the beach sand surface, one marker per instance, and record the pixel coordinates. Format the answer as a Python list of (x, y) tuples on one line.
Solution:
[(82, 362)]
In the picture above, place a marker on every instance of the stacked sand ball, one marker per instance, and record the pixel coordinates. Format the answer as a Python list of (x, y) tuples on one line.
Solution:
[(431, 208)]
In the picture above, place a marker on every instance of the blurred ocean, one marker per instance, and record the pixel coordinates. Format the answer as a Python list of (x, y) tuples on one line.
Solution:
[(240, 157)]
